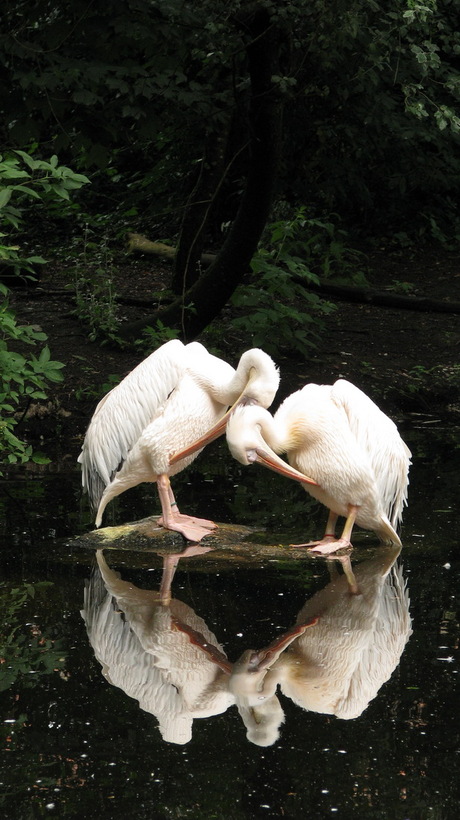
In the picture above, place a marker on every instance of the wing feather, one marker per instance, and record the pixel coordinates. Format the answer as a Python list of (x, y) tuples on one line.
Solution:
[(122, 415), (379, 437), (392, 630), (126, 665)]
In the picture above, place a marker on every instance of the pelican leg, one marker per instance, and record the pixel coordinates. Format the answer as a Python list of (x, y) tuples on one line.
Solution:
[(329, 543), (193, 529), (329, 533), (334, 544), (170, 563), (349, 574), (204, 522)]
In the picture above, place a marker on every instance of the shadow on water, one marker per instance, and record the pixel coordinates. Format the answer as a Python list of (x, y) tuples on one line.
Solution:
[(228, 699)]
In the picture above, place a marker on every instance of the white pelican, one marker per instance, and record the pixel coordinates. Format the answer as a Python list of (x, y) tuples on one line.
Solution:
[(338, 667), (348, 454), (172, 397), (159, 651), (152, 651)]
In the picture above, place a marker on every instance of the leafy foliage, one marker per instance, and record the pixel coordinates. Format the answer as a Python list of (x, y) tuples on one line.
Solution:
[(371, 92), (153, 337), (24, 179), (299, 250), (23, 378), (151, 93)]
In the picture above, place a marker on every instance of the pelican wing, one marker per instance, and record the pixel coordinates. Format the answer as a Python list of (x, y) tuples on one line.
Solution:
[(391, 632), (183, 665), (122, 415), (379, 438), (126, 665)]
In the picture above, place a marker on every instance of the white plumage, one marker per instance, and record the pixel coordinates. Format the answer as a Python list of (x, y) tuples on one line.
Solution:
[(168, 401), (159, 651), (345, 450), (339, 665), (145, 649)]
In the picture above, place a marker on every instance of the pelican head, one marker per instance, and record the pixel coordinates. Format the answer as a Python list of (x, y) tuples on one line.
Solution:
[(251, 678), (253, 682), (250, 432)]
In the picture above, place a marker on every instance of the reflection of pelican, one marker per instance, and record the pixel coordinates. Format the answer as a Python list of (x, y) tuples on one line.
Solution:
[(152, 651), (348, 454), (174, 396), (159, 651), (340, 665), (254, 684)]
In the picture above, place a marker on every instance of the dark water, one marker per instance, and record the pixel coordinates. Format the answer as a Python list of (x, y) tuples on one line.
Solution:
[(75, 745)]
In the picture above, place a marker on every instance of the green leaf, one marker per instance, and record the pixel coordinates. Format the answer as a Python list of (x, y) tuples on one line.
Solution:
[(27, 159), (40, 458), (5, 196), (44, 355), (24, 189)]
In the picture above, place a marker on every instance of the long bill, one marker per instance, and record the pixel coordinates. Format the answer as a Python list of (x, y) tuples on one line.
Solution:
[(264, 658), (197, 639), (269, 459), (214, 432)]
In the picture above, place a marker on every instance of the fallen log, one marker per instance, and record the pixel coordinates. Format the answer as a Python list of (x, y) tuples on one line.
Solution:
[(347, 293), (140, 244), (381, 298)]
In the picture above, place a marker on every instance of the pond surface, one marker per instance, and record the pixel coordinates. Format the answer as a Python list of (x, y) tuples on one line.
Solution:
[(144, 710)]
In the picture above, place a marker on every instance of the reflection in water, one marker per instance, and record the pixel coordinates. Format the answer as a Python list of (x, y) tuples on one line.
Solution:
[(339, 667), (137, 639), (253, 684), (159, 651)]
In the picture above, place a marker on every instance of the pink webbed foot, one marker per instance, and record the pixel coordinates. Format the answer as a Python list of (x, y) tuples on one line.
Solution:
[(191, 528), (327, 546), (192, 519)]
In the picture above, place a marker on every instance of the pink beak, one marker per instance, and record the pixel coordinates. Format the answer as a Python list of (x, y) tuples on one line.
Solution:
[(269, 459)]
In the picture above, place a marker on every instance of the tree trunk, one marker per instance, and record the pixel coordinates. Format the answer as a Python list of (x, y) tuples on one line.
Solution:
[(196, 216), (202, 302)]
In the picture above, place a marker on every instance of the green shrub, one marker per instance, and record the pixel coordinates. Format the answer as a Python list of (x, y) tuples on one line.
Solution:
[(22, 379), (276, 307), (24, 181)]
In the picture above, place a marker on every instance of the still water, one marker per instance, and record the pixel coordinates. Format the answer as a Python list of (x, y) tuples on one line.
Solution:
[(115, 706)]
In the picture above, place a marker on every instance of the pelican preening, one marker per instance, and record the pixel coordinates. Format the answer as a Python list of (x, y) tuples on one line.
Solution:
[(338, 667), (171, 399), (159, 651), (341, 446), (346, 452)]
